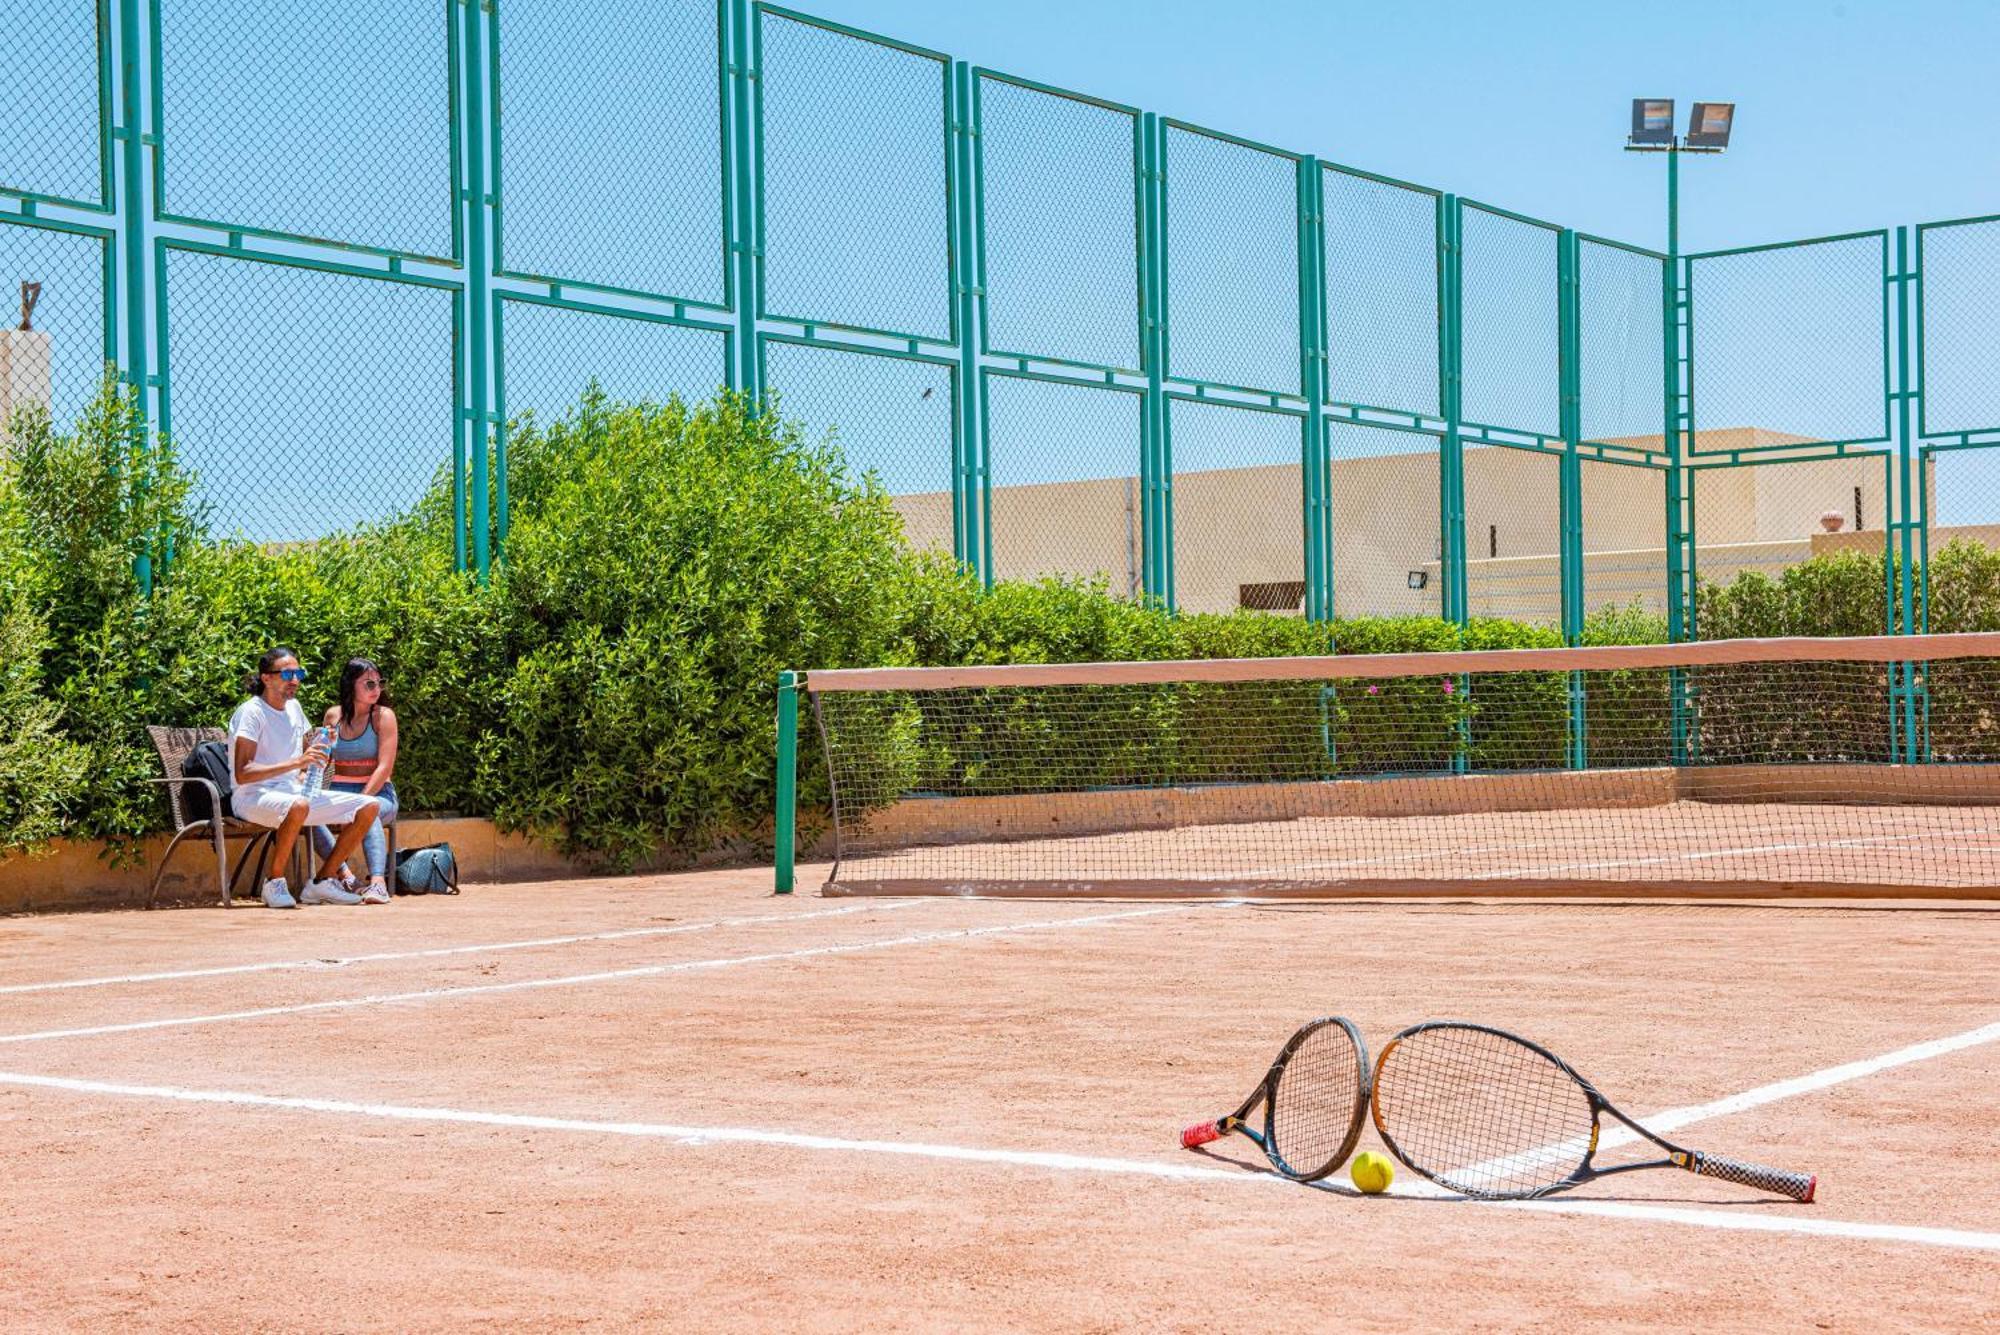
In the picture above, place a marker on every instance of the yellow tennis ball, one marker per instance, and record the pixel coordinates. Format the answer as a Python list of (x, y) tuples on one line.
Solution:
[(1372, 1172)]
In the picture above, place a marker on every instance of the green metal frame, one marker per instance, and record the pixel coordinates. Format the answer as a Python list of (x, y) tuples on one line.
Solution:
[(784, 830), (109, 127), (1690, 266)]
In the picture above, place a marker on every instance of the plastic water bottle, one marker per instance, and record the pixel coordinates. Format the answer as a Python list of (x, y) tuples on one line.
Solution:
[(316, 773)]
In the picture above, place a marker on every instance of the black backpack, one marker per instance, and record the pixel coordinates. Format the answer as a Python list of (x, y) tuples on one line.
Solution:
[(208, 761)]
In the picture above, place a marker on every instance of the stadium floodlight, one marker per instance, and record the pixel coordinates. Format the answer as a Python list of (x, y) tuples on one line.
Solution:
[(1652, 122), (1708, 125)]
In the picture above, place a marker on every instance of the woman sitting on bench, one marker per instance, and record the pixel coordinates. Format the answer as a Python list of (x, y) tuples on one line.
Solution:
[(268, 740)]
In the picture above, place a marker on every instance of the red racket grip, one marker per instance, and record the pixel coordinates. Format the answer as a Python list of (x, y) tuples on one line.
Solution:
[(1200, 1134)]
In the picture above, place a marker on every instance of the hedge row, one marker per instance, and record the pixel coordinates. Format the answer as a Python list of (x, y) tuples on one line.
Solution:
[(609, 691)]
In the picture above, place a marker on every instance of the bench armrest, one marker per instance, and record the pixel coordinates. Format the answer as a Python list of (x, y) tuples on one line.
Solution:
[(214, 797)]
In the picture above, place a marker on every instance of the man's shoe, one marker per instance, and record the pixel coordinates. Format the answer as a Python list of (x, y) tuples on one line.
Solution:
[(328, 892), (278, 895)]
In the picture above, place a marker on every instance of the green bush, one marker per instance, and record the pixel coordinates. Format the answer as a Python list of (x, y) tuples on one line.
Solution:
[(38, 765), (77, 507), (1834, 593), (664, 564), (611, 690)]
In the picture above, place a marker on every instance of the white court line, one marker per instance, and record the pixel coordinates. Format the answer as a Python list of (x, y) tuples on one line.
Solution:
[(437, 952), (1675, 1118), (573, 980), (1695, 857), (1456, 855), (1570, 1152), (1060, 1162)]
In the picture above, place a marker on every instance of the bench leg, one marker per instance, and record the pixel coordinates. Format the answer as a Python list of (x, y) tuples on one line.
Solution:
[(222, 863)]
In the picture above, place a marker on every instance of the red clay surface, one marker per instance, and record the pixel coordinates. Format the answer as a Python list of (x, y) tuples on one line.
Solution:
[(1081, 1028)]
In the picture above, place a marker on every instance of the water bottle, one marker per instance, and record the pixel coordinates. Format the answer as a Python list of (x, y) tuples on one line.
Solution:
[(316, 773)]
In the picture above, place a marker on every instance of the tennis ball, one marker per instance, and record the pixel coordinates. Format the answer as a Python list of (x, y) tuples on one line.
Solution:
[(1372, 1172)]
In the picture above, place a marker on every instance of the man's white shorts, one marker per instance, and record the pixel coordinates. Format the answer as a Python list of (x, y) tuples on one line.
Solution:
[(262, 804)]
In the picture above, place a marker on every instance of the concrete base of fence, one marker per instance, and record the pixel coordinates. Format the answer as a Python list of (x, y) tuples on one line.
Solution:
[(74, 876)]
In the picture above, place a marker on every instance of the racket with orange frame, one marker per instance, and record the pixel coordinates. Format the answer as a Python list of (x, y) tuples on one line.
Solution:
[(1314, 1101)]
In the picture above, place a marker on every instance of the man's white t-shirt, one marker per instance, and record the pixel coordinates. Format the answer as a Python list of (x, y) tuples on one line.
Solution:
[(280, 735)]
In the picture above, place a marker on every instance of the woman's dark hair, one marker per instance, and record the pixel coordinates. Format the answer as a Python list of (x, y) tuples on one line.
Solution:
[(356, 669), (253, 682)]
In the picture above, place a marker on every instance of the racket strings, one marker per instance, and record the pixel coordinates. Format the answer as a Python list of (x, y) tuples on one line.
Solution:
[(1315, 1108), (1481, 1113)]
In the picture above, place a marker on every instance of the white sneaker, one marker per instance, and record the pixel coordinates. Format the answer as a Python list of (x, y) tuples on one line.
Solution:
[(278, 895), (327, 892), (377, 891)]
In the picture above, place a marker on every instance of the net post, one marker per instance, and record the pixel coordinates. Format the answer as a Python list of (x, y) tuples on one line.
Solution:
[(785, 825)]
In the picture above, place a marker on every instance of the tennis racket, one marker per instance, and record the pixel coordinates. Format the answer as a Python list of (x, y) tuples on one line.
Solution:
[(1315, 1098), (1485, 1113)]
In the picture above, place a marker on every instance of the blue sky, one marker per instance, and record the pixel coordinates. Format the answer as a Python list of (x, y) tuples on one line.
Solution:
[(1851, 114)]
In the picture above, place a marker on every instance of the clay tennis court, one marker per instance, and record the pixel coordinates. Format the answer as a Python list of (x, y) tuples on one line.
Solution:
[(1689, 848), (680, 1101)]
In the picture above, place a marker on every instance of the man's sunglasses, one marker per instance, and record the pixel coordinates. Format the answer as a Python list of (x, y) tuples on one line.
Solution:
[(291, 674)]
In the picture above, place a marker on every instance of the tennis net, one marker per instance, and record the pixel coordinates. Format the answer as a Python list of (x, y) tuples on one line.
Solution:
[(1755, 767)]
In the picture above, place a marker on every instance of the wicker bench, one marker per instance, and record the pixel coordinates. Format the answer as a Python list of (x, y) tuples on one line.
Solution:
[(175, 745)]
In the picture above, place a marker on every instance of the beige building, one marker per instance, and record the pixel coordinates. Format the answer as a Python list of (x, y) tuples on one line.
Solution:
[(1237, 535)]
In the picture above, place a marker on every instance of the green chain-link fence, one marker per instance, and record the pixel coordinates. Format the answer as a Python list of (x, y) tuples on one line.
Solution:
[(336, 251)]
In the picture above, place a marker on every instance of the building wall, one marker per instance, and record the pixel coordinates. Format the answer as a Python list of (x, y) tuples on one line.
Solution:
[(1240, 526), (26, 376)]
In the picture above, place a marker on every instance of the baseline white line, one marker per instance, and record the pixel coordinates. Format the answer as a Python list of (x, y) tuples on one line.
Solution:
[(341, 961), (574, 980), (1060, 1162)]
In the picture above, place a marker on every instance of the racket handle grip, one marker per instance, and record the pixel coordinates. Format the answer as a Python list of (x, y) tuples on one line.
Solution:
[(1200, 1134), (1777, 1181)]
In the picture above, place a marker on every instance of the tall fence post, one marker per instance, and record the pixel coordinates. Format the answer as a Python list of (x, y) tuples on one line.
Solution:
[(743, 119), (134, 134), (1155, 450), (1317, 535), (784, 830), (1451, 385), (478, 215), (1569, 361), (1451, 458), (1676, 313), (1901, 549), (968, 285)]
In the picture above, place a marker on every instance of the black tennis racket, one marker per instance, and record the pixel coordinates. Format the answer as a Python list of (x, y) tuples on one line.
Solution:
[(1315, 1098), (1485, 1113)]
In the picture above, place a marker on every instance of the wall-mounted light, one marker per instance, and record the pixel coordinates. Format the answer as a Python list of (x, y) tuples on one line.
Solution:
[(1420, 579)]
